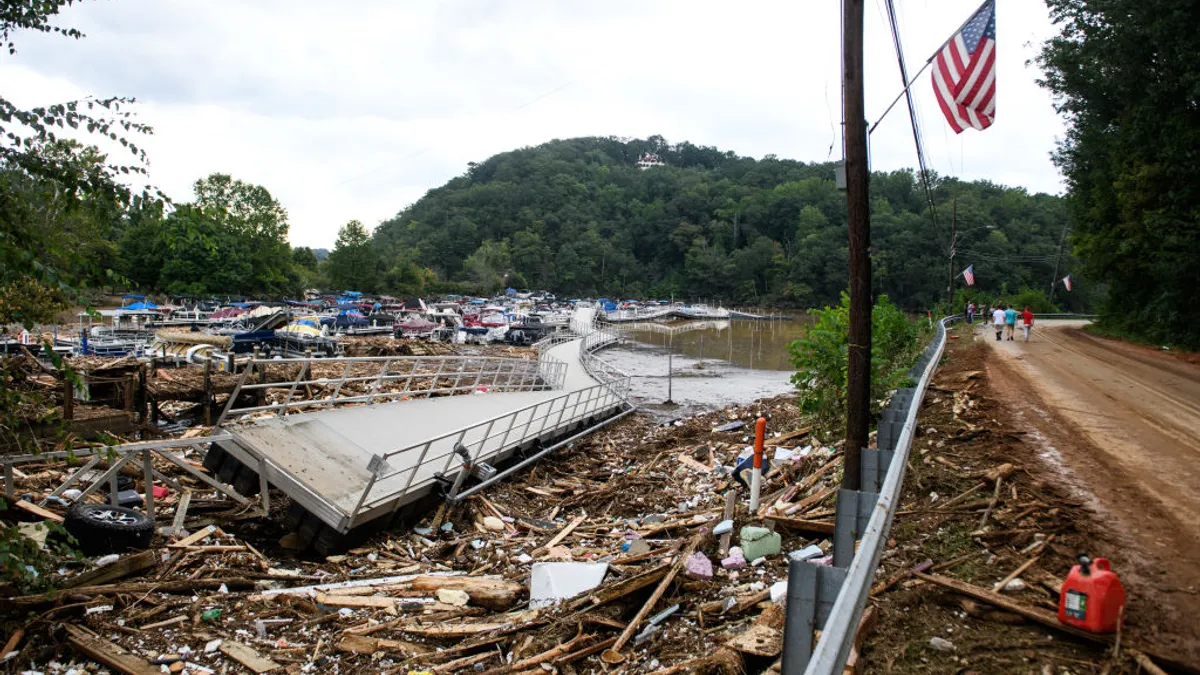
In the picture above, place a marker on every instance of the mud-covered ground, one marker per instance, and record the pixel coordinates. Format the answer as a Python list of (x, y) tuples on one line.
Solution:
[(973, 421)]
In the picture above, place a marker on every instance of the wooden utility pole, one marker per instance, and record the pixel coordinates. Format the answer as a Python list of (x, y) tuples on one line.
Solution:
[(953, 252), (858, 367), (1057, 260)]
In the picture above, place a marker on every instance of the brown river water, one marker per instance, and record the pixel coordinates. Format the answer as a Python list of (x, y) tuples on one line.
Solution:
[(713, 364)]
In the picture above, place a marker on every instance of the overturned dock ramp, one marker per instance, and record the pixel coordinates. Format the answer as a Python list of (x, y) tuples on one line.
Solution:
[(423, 426)]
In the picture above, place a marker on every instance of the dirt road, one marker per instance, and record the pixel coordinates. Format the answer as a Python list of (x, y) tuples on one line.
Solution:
[(1121, 425)]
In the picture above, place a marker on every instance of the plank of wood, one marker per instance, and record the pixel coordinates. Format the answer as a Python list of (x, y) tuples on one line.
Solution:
[(454, 630), (361, 644), (196, 536), (612, 591), (727, 514), (106, 653), (181, 509), (802, 525), (122, 568), (34, 509), (356, 601), (562, 534), (164, 623), (1016, 573), (247, 656)]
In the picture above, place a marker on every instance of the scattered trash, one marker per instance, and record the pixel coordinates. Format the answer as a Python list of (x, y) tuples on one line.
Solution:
[(759, 542), (550, 583), (723, 527), (941, 644), (807, 553), (699, 566)]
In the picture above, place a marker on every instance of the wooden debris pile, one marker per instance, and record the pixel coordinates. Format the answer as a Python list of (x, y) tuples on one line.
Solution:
[(454, 591)]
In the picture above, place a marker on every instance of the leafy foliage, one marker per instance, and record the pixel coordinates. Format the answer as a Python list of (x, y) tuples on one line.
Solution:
[(820, 360), (27, 565), (577, 216), (352, 261), (1124, 75)]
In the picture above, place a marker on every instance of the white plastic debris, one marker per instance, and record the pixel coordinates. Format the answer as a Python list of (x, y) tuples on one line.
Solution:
[(779, 592), (941, 644), (107, 559), (552, 582), (212, 646)]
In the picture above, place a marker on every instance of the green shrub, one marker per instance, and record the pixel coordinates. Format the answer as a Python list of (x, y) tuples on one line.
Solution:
[(820, 361), (27, 565)]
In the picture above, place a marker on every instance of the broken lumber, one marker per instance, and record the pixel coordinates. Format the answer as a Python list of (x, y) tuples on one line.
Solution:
[(803, 525), (613, 654), (35, 510), (120, 569), (562, 534), (248, 657), (548, 655), (360, 644), (620, 589), (1016, 573), (493, 594), (106, 653)]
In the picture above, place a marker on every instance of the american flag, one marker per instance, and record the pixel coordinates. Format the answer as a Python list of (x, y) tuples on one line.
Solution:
[(964, 74), (969, 275), (1067, 281)]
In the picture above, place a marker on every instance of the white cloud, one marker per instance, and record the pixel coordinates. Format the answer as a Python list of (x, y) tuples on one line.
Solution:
[(354, 110)]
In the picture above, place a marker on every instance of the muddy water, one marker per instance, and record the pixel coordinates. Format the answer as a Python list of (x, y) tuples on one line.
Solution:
[(713, 364)]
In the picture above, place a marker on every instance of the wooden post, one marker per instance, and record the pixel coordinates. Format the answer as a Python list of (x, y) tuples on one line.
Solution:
[(68, 399), (130, 385), (141, 395), (858, 215)]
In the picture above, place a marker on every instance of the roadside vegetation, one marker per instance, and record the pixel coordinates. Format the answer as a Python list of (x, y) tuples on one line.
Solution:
[(1125, 79), (820, 361)]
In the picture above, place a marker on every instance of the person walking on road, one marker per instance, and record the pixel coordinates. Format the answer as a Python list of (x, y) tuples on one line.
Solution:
[(1026, 322), (998, 321), (1010, 322)]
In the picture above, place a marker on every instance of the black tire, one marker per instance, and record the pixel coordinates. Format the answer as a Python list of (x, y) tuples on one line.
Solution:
[(213, 459), (100, 529), (246, 482), (230, 466)]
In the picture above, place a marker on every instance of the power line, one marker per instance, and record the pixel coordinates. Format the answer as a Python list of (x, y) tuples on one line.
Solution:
[(916, 128)]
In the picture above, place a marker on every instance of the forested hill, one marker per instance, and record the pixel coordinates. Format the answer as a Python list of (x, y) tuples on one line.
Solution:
[(577, 216)]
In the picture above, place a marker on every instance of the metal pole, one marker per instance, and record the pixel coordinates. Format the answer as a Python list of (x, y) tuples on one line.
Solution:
[(858, 215), (670, 361)]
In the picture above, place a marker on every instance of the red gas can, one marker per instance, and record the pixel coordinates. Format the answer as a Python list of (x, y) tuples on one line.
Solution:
[(1092, 597)]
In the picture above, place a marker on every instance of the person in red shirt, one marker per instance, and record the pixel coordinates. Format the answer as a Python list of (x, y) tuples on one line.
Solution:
[(1026, 321)]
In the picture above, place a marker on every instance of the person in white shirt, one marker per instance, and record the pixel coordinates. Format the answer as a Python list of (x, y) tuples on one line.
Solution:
[(998, 321)]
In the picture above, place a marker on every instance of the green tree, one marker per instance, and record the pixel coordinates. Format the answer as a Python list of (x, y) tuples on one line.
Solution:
[(253, 215), (489, 266), (1123, 73), (352, 261)]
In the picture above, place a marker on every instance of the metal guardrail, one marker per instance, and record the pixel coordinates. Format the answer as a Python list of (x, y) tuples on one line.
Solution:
[(383, 378), (836, 596)]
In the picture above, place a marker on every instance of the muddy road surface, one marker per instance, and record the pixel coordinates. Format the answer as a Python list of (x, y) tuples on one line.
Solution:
[(1120, 424)]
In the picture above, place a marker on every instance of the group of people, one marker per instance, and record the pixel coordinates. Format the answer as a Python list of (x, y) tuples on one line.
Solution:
[(1004, 319)]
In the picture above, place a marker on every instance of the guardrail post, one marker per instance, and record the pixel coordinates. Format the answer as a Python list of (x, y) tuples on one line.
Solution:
[(853, 512), (811, 592), (875, 465)]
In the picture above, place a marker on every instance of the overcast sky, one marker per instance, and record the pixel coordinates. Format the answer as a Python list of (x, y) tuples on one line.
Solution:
[(355, 109)]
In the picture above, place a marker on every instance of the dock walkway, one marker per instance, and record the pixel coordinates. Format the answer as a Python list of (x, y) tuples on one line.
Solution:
[(351, 465)]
